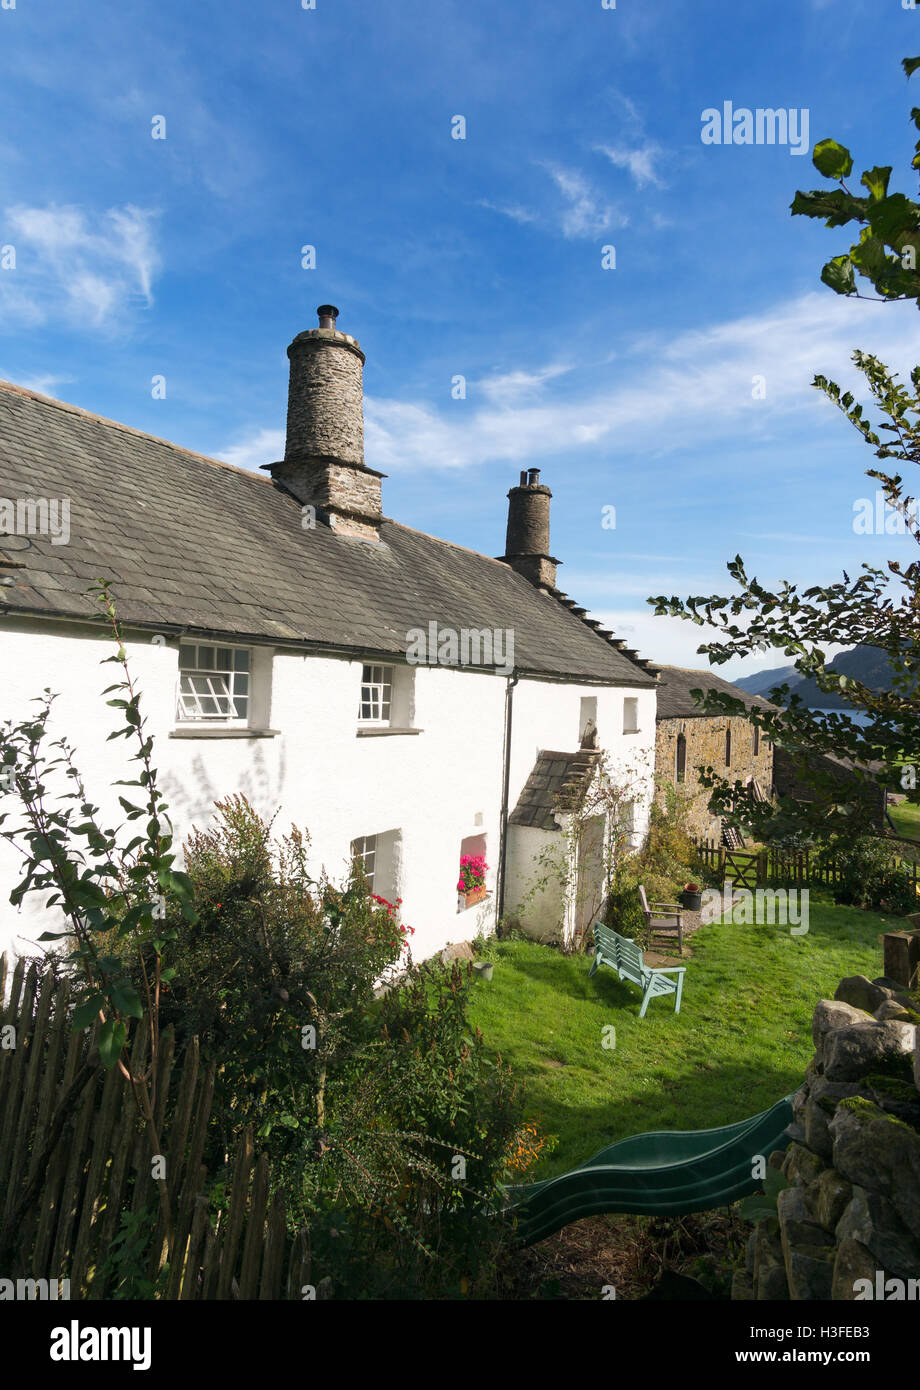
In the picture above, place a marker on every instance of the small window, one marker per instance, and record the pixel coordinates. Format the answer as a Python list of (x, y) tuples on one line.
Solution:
[(756, 739), (728, 747), (214, 683), (376, 694), (631, 716), (364, 850), (680, 770)]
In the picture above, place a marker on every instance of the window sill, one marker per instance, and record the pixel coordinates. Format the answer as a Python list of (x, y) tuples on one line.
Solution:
[(463, 906), (228, 732), (367, 731)]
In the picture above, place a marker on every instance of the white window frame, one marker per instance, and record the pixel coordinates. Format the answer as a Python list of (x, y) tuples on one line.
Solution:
[(364, 847), (238, 688), (377, 679)]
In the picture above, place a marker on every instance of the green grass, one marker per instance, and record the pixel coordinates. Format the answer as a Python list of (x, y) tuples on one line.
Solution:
[(741, 1041), (906, 817)]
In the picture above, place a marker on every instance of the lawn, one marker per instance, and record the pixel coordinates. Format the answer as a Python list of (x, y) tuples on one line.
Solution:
[(741, 1041), (906, 816)]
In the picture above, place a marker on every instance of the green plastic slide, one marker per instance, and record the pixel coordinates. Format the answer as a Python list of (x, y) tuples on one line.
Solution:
[(666, 1173)]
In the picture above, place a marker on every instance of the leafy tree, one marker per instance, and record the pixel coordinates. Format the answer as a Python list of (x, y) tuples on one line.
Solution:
[(879, 607), (887, 252)]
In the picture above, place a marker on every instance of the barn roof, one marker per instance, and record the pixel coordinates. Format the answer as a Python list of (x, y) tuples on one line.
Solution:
[(676, 682), (193, 544)]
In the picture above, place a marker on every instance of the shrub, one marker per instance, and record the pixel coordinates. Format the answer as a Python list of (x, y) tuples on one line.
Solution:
[(865, 875), (390, 1130)]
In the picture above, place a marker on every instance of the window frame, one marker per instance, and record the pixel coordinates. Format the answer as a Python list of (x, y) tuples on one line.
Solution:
[(384, 684), (231, 693), (369, 851)]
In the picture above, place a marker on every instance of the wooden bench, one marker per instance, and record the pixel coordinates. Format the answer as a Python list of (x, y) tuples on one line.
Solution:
[(665, 919), (625, 957)]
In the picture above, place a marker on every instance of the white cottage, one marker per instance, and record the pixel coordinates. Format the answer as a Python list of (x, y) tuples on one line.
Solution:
[(392, 693)]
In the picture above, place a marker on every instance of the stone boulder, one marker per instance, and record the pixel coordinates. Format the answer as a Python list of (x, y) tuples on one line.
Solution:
[(853, 1052), (860, 993), (829, 1197), (853, 1262), (808, 1249), (881, 1153), (835, 1013), (871, 1220)]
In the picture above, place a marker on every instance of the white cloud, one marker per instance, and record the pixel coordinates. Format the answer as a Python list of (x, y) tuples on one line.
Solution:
[(585, 213), (263, 446), (515, 211), (640, 162), (87, 269), (696, 386), (512, 386)]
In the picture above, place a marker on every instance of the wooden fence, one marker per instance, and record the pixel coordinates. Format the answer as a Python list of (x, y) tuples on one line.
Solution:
[(98, 1167), (782, 868)]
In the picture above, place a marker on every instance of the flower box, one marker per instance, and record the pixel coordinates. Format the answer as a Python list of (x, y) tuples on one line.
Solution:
[(473, 895)]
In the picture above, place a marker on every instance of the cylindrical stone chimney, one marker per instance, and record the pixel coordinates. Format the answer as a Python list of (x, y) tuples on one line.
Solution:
[(527, 537), (325, 416), (323, 463)]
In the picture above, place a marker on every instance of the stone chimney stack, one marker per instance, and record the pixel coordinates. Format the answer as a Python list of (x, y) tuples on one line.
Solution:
[(323, 464), (527, 539)]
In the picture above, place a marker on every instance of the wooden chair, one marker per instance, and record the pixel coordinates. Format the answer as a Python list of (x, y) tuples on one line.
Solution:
[(664, 919), (625, 957)]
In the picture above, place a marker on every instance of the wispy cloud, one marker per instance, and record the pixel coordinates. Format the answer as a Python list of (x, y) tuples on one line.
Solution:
[(584, 212), (640, 162), (87, 269), (697, 387), (254, 449), (580, 212)]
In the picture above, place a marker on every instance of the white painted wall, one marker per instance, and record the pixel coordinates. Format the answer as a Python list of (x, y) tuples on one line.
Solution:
[(431, 787)]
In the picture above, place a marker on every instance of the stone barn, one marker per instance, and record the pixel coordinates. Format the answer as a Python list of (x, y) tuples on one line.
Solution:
[(686, 739)]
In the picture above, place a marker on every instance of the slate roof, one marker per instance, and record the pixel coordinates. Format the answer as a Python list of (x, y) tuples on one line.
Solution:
[(558, 782), (676, 702), (194, 544)]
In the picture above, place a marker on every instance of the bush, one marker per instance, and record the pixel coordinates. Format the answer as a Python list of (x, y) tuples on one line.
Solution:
[(865, 875), (388, 1126)]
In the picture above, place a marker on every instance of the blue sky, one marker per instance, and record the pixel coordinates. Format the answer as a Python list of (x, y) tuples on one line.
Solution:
[(629, 387)]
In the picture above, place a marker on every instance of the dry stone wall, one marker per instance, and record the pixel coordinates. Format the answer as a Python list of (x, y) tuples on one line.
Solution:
[(848, 1224)]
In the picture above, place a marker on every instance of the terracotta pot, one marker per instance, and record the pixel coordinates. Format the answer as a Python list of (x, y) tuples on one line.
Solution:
[(474, 895)]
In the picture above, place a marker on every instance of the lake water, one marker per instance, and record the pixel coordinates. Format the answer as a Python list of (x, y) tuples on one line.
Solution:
[(856, 716)]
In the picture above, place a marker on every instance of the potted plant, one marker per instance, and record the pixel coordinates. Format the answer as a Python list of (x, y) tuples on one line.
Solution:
[(692, 897), (472, 882)]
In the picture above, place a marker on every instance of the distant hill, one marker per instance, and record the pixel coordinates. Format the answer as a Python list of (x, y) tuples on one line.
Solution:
[(866, 664), (762, 682)]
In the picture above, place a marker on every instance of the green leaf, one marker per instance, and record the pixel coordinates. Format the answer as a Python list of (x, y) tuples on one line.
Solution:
[(876, 180), (910, 65), (838, 273), (85, 1013), (832, 160), (112, 1036), (127, 1000)]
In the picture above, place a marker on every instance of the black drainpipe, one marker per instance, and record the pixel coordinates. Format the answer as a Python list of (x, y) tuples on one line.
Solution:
[(506, 780)]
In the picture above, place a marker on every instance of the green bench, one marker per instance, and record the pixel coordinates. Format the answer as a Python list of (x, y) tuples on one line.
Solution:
[(625, 957)]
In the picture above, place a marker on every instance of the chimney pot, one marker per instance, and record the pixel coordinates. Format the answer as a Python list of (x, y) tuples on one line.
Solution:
[(328, 314)]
